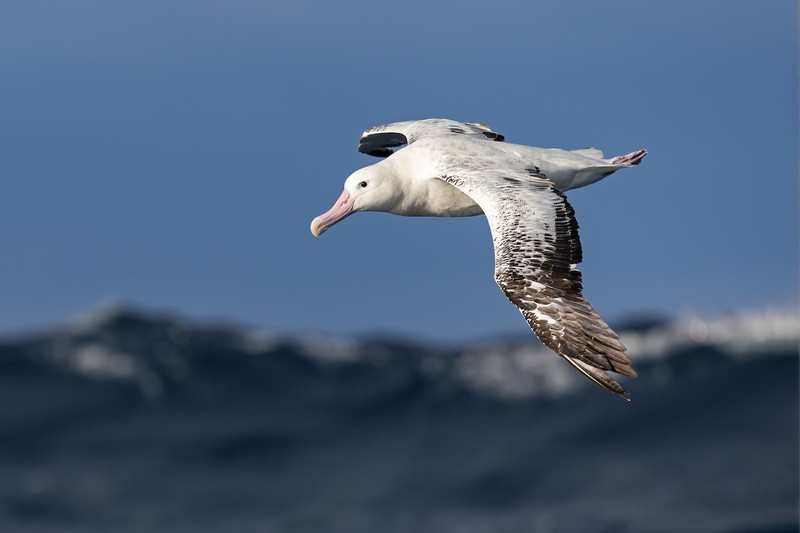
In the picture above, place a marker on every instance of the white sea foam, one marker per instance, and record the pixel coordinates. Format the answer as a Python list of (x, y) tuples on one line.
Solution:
[(330, 349), (514, 372), (744, 334), (507, 370), (101, 362), (501, 369)]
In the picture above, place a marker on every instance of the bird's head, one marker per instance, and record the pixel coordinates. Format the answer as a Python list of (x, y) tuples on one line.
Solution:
[(368, 189)]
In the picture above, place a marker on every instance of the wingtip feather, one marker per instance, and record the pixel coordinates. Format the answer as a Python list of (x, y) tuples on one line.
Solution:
[(600, 377)]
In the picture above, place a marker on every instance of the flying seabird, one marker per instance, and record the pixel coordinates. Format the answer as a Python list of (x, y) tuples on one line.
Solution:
[(454, 169)]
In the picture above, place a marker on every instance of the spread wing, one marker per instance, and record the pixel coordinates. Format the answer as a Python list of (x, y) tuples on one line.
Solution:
[(379, 141), (537, 248)]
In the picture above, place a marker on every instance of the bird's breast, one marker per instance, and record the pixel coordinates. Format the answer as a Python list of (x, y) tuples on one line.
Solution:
[(435, 198)]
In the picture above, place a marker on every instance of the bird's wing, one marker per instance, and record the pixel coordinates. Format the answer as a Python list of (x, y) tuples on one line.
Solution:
[(379, 141), (537, 249)]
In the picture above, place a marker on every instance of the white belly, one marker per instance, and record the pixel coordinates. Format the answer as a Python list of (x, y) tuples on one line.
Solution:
[(435, 198)]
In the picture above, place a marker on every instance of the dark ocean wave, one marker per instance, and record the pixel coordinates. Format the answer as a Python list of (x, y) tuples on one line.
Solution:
[(136, 422)]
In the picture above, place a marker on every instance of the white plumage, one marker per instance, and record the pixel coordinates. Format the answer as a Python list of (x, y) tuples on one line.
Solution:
[(454, 169)]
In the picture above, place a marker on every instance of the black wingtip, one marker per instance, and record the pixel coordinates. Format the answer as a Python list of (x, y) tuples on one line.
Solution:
[(380, 144), (494, 136), (379, 152)]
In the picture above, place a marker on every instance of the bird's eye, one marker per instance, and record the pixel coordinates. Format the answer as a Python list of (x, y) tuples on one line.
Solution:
[(362, 184)]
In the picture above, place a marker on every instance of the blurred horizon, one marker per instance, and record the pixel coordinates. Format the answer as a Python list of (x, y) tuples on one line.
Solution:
[(636, 321), (137, 423)]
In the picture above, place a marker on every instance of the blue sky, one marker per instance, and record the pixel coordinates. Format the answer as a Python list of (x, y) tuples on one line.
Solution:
[(171, 155)]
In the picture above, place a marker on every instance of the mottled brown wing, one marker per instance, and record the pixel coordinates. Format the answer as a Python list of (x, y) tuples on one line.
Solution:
[(537, 248)]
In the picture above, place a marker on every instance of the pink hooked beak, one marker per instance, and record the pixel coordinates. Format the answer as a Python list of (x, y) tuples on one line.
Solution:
[(340, 210)]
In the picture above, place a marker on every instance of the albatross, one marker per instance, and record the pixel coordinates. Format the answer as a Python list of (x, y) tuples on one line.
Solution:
[(446, 168)]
